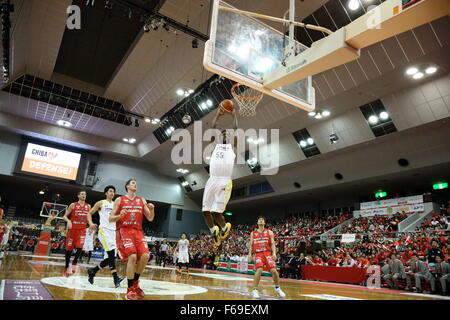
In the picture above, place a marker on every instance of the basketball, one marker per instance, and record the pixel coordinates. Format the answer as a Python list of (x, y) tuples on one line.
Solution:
[(227, 106)]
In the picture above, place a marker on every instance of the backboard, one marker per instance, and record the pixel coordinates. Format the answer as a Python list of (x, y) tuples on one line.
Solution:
[(50, 209), (244, 49)]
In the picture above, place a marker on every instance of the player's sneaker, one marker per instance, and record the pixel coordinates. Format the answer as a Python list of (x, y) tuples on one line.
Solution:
[(74, 268), (117, 281), (224, 234), (66, 272), (216, 236), (255, 293), (280, 292), (139, 292), (131, 295), (91, 275)]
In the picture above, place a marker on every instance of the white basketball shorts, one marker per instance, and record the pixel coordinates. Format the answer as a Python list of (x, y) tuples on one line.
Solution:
[(107, 238), (217, 193)]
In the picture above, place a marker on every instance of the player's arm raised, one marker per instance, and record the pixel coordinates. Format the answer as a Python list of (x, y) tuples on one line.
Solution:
[(149, 211), (93, 210), (235, 126), (272, 243), (66, 215), (250, 246), (214, 122), (114, 215)]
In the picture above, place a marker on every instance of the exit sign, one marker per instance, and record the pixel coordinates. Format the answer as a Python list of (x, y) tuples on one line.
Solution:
[(380, 194), (440, 186)]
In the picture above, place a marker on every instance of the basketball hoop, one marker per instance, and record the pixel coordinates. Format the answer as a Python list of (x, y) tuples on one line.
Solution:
[(247, 99)]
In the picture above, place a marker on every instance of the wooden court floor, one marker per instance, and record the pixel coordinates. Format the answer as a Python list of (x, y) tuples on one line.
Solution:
[(165, 284)]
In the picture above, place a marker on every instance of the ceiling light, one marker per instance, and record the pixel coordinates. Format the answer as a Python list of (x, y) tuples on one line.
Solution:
[(384, 115), (155, 121), (373, 119), (430, 70), (190, 91), (185, 183), (412, 71), (418, 75), (125, 139), (310, 141), (318, 116), (353, 5), (209, 103), (311, 114), (172, 129), (64, 123), (303, 143), (132, 140), (249, 140), (326, 113), (203, 106), (179, 170), (147, 120), (41, 192), (180, 92)]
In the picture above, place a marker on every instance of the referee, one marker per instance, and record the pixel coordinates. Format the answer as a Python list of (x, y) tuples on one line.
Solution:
[(163, 252)]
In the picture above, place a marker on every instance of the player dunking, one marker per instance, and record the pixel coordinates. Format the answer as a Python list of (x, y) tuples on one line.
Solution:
[(262, 244), (218, 187), (106, 235), (183, 253), (127, 212), (76, 230)]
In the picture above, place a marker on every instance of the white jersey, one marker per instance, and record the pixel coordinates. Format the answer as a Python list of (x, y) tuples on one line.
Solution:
[(183, 246), (222, 161), (104, 215)]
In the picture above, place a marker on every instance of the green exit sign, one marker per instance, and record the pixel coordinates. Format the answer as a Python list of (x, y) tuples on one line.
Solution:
[(228, 214), (380, 194), (440, 185)]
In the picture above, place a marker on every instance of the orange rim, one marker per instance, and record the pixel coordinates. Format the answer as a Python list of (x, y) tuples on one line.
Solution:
[(235, 94)]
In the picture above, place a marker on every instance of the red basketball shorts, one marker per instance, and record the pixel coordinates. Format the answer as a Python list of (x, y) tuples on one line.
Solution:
[(131, 241), (264, 259), (75, 238)]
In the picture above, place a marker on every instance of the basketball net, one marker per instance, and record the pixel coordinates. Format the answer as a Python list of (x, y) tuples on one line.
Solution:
[(247, 99)]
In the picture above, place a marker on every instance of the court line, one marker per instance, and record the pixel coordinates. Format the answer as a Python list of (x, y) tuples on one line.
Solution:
[(426, 295)]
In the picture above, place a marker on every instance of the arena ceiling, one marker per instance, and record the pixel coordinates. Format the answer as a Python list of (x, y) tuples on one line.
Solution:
[(112, 57)]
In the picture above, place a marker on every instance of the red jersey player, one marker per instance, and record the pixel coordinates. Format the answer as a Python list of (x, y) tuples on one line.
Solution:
[(131, 243), (262, 244), (76, 230)]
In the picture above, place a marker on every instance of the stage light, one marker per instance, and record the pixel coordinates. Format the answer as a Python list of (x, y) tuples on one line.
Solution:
[(41, 192), (373, 119), (353, 5), (147, 120), (311, 114), (411, 71), (384, 115), (303, 143), (180, 92), (186, 119), (430, 70), (310, 141), (209, 103), (418, 75), (325, 113), (125, 139)]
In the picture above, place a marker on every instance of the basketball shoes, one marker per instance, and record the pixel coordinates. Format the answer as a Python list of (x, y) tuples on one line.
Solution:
[(224, 234), (131, 295), (216, 236), (139, 292)]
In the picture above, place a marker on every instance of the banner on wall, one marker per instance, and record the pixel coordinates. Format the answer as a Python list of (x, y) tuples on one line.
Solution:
[(391, 206), (348, 238), (52, 162)]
